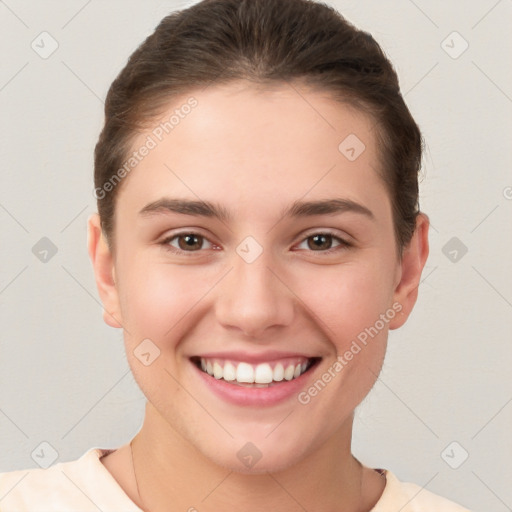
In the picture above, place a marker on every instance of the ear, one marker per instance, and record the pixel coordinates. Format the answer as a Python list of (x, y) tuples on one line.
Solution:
[(409, 275), (103, 265)]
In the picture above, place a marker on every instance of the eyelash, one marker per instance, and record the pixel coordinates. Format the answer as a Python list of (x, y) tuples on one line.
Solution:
[(342, 244)]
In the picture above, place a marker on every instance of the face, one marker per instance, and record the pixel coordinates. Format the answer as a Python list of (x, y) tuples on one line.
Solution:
[(252, 239)]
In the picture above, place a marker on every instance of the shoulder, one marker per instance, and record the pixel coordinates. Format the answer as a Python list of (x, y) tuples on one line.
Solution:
[(81, 485), (409, 497)]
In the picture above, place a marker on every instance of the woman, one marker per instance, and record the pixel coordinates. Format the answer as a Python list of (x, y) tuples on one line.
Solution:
[(258, 236)]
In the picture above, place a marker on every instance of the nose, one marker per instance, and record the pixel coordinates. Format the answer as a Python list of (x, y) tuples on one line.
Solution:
[(253, 299)]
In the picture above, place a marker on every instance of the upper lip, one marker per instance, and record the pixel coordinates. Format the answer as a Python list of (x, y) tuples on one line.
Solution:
[(255, 358)]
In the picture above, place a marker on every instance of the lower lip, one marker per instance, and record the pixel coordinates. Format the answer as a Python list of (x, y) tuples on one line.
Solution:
[(249, 396)]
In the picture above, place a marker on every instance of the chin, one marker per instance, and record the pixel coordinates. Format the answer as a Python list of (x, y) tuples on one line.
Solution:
[(263, 466), (257, 458)]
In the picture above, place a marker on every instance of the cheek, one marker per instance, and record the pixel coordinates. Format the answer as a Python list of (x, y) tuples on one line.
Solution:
[(347, 299), (157, 302), (155, 297)]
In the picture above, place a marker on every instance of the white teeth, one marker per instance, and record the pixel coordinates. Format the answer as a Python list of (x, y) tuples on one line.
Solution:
[(288, 373), (217, 370), (244, 373), (263, 374), (278, 372), (229, 372), (249, 374)]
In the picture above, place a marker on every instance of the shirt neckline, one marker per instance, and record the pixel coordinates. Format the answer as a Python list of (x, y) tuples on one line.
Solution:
[(97, 453)]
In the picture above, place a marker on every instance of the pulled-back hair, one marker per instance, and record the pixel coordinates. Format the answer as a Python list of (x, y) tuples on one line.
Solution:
[(266, 42)]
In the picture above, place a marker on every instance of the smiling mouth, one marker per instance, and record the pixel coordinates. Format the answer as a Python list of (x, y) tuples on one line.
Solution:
[(261, 375)]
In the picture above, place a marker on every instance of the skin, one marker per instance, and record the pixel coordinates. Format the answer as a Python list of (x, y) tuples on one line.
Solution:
[(254, 151)]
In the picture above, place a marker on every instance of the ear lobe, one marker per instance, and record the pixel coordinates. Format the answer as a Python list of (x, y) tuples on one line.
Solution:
[(104, 272), (413, 261)]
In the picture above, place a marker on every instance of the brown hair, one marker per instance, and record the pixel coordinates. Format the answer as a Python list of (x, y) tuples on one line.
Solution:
[(265, 41)]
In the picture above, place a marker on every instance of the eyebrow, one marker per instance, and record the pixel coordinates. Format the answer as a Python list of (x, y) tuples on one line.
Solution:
[(213, 210)]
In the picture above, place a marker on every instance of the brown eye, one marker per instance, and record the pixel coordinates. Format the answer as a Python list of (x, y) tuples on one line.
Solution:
[(187, 242), (190, 242), (323, 243), (320, 242)]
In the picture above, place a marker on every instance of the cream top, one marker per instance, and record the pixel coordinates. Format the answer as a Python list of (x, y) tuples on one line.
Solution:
[(85, 485)]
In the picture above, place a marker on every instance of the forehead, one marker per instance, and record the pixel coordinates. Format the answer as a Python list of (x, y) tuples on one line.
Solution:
[(257, 145)]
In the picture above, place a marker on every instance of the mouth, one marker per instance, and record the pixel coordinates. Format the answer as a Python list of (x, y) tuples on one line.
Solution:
[(262, 375)]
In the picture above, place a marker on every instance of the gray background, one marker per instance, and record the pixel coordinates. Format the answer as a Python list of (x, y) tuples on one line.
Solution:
[(64, 379)]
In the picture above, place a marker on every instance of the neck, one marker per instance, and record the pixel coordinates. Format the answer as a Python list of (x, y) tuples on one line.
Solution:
[(172, 475)]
